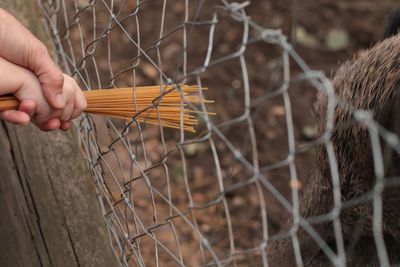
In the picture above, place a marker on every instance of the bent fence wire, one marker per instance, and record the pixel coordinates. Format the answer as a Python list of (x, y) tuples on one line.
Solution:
[(221, 195)]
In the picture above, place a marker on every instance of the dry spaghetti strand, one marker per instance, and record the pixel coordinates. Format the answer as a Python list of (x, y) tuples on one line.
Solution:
[(159, 105)]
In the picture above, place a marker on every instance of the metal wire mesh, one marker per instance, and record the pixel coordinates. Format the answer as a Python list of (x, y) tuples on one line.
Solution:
[(220, 196)]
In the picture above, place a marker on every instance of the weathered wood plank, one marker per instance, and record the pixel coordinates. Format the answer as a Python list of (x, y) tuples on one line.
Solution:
[(49, 212), (16, 245)]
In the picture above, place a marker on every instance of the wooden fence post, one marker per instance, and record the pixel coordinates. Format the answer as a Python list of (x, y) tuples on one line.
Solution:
[(49, 212)]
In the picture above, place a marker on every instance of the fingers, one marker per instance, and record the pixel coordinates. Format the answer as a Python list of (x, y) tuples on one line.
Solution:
[(28, 106), (76, 103), (22, 115), (66, 114), (15, 116), (79, 107), (49, 125), (65, 126), (80, 102)]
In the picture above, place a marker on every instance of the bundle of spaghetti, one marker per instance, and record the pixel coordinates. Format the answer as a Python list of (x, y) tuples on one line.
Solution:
[(166, 105), (160, 105)]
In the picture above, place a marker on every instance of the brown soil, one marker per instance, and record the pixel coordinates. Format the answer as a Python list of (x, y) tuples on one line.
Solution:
[(194, 188)]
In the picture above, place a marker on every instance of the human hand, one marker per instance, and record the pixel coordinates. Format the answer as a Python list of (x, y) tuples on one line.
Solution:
[(26, 87), (19, 46)]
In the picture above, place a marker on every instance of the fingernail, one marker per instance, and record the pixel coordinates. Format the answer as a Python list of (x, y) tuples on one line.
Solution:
[(60, 100)]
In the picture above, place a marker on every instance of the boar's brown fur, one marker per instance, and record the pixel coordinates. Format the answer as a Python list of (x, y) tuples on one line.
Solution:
[(371, 82)]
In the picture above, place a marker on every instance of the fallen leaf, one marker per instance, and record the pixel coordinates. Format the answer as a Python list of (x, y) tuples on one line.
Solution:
[(337, 39), (310, 132), (306, 39), (278, 111)]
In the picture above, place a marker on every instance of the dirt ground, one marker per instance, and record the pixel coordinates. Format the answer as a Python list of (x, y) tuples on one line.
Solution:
[(327, 33)]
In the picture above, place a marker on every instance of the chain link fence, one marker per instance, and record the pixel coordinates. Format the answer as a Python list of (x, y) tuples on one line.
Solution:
[(263, 182)]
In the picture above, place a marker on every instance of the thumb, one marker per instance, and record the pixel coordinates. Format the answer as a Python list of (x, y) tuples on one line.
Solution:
[(49, 75)]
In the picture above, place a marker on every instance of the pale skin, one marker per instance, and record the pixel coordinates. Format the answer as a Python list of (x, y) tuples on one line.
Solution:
[(48, 98)]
